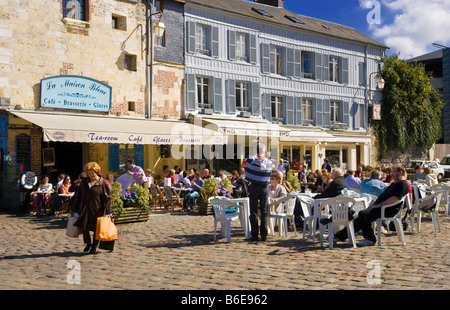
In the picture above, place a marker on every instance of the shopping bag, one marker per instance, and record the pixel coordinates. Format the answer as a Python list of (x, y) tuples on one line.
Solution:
[(107, 245), (71, 230), (106, 230)]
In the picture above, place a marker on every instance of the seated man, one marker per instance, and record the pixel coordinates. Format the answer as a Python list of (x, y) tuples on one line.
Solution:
[(336, 186), (352, 181), (393, 193), (189, 198), (373, 185)]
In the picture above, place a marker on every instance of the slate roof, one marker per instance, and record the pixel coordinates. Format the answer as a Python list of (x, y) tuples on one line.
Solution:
[(278, 16)]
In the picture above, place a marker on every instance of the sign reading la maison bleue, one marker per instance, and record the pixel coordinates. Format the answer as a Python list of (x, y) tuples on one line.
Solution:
[(76, 93)]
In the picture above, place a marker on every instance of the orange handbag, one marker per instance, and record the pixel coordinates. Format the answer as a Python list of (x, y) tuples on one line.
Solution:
[(106, 230)]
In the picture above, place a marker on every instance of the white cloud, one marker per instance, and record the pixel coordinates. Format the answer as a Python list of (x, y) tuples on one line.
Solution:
[(414, 25)]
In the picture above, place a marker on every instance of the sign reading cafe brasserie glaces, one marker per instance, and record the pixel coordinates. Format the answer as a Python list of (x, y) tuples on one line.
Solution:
[(75, 93)]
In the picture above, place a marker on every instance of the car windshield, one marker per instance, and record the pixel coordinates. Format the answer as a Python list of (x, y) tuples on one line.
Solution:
[(445, 161), (413, 164)]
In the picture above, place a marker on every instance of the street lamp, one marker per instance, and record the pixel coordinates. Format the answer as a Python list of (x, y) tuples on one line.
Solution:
[(380, 83), (158, 29)]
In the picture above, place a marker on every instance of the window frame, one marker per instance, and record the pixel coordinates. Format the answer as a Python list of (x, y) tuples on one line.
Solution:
[(202, 83), (276, 59), (242, 96), (83, 10), (307, 74), (335, 111), (334, 68), (307, 108), (277, 108)]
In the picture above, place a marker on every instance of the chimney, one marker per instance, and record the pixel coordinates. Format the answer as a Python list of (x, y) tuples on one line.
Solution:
[(275, 3)]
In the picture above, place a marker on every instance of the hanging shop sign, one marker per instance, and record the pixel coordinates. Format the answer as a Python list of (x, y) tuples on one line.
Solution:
[(75, 93)]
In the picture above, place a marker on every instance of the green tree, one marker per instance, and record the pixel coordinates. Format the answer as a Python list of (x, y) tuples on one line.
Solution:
[(411, 108)]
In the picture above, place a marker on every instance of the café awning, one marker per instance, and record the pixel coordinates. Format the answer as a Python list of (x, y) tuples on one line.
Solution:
[(241, 126), (89, 128)]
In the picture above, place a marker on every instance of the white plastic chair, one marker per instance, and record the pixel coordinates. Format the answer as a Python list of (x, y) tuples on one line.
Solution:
[(445, 189), (339, 207), (287, 211), (307, 205), (397, 218), (419, 204), (225, 219)]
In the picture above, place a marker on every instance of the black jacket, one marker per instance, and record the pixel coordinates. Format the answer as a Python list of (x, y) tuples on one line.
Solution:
[(334, 189)]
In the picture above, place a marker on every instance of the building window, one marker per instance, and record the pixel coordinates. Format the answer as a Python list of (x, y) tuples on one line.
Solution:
[(159, 5), (335, 111), (203, 90), (276, 60), (131, 62), (75, 9), (307, 110), (242, 97), (241, 46), (131, 106), (202, 35), (307, 65), (276, 103), (119, 22), (334, 69), (161, 42)]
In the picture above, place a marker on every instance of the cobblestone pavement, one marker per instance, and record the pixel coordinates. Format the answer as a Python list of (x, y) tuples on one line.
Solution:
[(177, 252)]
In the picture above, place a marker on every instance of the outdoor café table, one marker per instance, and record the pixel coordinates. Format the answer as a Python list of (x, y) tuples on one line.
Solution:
[(361, 204), (43, 200), (244, 216)]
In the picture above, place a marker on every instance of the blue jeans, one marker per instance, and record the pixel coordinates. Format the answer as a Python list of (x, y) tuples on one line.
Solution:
[(189, 198)]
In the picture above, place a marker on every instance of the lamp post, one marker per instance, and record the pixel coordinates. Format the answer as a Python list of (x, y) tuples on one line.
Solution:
[(159, 29)]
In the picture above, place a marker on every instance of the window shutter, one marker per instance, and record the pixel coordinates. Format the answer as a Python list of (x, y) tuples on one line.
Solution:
[(361, 71), (326, 67), (298, 111), (215, 42), (191, 37), (252, 40), (298, 63), (232, 45), (319, 112), (346, 113), (139, 155), (217, 91), (356, 116), (190, 92), (326, 113), (113, 157), (318, 66), (290, 62), (344, 70), (267, 108), (255, 99), (289, 117), (265, 54), (231, 96)]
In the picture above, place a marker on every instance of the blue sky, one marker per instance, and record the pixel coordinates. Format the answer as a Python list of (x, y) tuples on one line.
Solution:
[(408, 27)]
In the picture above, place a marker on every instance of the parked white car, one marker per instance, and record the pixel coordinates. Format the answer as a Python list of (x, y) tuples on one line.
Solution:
[(445, 164), (436, 168)]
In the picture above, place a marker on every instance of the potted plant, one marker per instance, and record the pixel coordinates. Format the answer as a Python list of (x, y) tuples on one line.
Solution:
[(130, 205), (213, 187)]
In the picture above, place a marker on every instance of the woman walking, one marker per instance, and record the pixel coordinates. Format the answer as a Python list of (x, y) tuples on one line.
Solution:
[(93, 200)]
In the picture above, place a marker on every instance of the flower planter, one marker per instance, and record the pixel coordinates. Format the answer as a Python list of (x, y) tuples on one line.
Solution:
[(130, 214)]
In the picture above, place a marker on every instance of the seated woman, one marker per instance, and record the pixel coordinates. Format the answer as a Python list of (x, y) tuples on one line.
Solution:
[(42, 194), (326, 180), (240, 186), (63, 189), (276, 190), (189, 198)]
